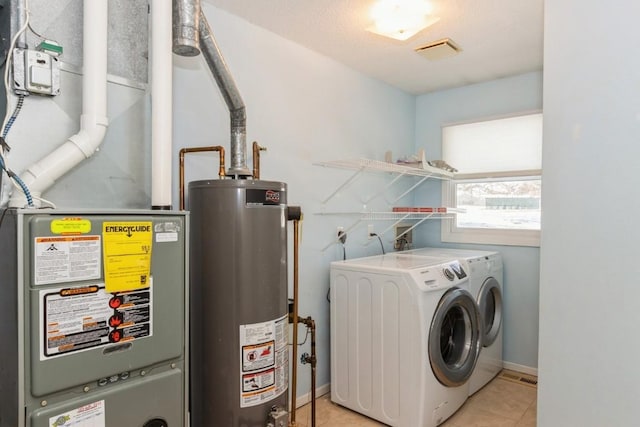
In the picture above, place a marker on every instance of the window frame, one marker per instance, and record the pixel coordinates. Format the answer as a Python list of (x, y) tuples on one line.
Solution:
[(451, 233)]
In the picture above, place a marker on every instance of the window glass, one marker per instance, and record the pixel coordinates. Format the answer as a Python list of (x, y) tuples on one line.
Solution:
[(505, 204)]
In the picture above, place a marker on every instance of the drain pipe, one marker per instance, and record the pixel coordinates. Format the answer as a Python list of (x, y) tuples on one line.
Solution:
[(93, 121), (215, 61), (161, 65)]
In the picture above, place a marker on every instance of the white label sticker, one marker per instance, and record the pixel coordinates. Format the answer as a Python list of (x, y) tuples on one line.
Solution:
[(66, 259), (166, 237), (84, 317), (264, 365), (91, 415)]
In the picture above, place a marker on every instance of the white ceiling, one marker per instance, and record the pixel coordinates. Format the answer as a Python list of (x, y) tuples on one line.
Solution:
[(498, 38)]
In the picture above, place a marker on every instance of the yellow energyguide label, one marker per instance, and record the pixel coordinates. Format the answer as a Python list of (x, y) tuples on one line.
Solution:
[(70, 226), (127, 255)]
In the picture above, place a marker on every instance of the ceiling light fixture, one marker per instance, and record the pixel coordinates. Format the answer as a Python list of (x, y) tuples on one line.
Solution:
[(401, 19)]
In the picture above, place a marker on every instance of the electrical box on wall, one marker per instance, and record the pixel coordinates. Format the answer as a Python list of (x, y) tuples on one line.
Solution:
[(37, 71), (93, 318)]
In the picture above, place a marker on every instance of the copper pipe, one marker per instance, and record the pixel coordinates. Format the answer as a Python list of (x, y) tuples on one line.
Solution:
[(221, 172), (294, 368), (311, 324), (256, 159)]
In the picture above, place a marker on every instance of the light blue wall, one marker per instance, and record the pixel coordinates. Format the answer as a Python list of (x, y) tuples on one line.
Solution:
[(521, 272), (589, 293), (304, 108)]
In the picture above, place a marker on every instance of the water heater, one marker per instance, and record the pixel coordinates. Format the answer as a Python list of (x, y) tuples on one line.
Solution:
[(239, 310), (93, 322)]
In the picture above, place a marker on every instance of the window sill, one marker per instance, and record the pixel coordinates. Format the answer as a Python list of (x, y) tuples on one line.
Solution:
[(494, 236)]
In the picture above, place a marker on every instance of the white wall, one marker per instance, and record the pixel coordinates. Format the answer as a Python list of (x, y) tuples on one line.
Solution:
[(589, 293), (304, 108), (496, 98)]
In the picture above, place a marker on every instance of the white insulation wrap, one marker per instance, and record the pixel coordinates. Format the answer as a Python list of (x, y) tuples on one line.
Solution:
[(93, 122), (161, 103)]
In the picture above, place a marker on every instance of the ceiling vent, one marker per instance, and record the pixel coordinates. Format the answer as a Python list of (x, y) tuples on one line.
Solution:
[(438, 50)]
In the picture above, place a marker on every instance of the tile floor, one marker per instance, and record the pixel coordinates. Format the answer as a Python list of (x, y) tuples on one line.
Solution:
[(501, 403)]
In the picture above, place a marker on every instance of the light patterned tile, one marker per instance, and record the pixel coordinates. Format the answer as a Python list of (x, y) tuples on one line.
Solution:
[(353, 419), (529, 418), (500, 404), (474, 417), (504, 398)]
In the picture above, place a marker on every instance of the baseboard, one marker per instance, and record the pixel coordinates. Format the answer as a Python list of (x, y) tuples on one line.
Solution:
[(306, 398), (520, 368)]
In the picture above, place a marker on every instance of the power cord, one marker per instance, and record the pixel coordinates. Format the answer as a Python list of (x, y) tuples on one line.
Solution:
[(380, 240)]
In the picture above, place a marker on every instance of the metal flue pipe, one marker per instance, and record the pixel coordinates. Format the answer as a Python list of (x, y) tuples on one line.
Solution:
[(186, 21), (192, 35), (231, 95)]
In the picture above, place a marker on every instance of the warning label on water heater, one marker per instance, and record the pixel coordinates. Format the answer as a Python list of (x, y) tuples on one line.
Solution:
[(264, 366)]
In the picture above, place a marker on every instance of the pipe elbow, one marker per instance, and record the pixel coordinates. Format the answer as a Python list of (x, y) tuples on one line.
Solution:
[(91, 135)]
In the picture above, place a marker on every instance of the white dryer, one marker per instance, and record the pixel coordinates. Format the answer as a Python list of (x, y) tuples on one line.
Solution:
[(485, 283), (405, 337)]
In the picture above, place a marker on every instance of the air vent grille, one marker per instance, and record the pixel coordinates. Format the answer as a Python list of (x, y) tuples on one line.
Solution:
[(439, 49), (517, 377)]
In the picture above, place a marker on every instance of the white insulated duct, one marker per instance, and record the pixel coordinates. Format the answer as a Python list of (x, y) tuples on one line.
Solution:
[(93, 122), (161, 103)]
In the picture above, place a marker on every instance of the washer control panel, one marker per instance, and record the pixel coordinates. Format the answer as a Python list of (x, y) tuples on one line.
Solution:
[(453, 270)]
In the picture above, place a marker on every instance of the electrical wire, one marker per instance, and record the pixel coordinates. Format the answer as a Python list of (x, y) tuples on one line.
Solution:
[(13, 117), (4, 212), (17, 181), (305, 338), (8, 62), (9, 119), (380, 240), (35, 32)]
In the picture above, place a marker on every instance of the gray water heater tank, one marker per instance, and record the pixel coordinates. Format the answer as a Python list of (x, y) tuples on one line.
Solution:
[(239, 311)]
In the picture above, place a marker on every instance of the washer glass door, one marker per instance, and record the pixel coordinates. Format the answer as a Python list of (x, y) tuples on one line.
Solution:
[(454, 337), (490, 305)]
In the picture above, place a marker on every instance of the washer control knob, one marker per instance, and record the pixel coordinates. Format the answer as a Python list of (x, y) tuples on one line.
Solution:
[(449, 274)]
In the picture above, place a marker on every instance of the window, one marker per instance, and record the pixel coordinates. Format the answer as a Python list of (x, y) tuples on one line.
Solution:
[(497, 187)]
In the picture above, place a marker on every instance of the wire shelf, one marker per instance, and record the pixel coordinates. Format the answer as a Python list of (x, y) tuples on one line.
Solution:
[(393, 216), (379, 166)]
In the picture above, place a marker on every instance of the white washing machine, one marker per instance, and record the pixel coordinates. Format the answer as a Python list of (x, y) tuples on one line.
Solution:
[(485, 283), (405, 337)]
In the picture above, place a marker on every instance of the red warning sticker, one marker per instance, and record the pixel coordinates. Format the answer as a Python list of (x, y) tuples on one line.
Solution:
[(83, 317), (264, 366)]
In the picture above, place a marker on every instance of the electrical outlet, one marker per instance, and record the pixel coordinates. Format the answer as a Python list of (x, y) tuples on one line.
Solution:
[(342, 235), (370, 231), (404, 237)]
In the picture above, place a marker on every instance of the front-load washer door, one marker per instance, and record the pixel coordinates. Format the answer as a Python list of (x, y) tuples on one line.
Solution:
[(490, 306), (454, 337)]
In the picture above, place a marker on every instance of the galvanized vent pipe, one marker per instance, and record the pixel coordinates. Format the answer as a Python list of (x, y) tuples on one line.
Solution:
[(186, 21), (192, 34), (232, 97)]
